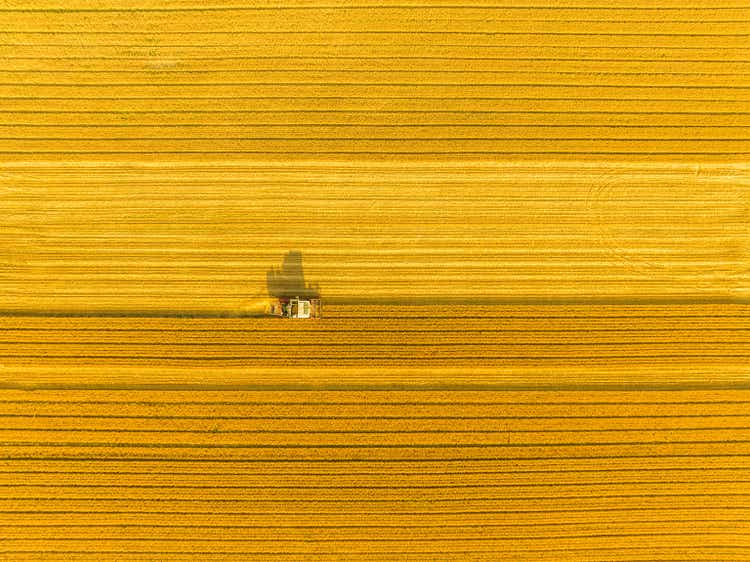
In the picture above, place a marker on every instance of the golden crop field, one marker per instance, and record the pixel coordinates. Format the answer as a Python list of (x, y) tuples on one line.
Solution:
[(528, 223)]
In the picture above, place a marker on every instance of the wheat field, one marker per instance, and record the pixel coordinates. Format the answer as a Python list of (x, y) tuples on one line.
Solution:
[(527, 222)]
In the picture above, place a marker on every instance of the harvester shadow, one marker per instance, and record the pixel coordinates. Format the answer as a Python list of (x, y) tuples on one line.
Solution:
[(289, 280)]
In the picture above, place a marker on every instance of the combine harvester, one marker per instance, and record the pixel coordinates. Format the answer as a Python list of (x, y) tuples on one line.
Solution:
[(283, 307), (289, 295), (295, 307)]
